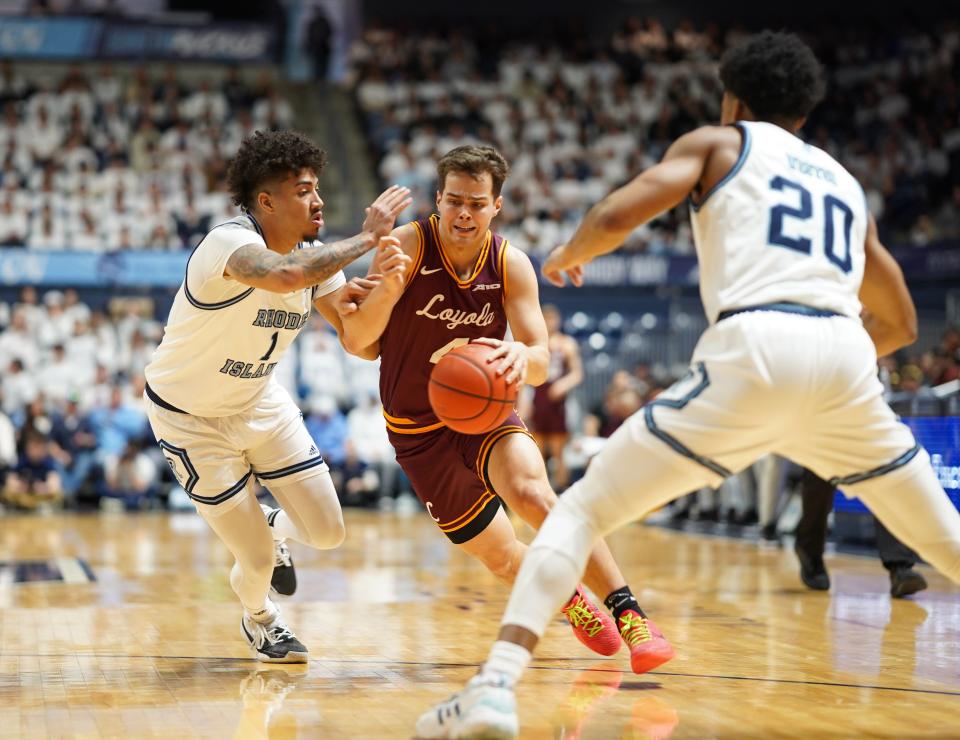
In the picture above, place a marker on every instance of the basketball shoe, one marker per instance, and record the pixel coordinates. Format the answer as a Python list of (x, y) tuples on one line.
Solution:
[(648, 647), (905, 581), (813, 572), (284, 578), (486, 708), (593, 628), (274, 642)]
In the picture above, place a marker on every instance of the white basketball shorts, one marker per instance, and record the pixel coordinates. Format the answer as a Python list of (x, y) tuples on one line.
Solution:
[(214, 458), (804, 387)]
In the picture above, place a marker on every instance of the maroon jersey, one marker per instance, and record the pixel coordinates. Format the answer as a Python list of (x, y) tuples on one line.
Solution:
[(437, 312), (549, 416)]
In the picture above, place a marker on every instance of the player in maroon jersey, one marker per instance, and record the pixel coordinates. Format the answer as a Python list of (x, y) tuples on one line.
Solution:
[(548, 412), (448, 280)]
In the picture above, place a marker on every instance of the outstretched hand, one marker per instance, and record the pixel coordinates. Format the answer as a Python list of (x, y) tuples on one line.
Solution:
[(559, 263), (383, 212)]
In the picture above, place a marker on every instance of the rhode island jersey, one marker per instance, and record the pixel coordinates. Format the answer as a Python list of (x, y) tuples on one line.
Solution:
[(437, 312), (223, 339), (787, 224)]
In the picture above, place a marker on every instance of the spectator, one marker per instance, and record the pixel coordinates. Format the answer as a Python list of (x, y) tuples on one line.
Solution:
[(13, 222), (75, 445), (34, 481), (358, 484), (8, 447), (116, 425), (328, 427), (19, 387), (131, 478), (57, 378)]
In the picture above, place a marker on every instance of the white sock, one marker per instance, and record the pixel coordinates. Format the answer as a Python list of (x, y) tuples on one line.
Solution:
[(266, 615), (508, 659), (283, 528)]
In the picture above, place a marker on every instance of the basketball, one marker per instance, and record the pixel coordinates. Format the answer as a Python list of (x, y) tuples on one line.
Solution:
[(467, 394)]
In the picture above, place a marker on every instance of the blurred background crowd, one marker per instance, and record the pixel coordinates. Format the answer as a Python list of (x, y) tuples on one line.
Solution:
[(72, 410), (118, 157), (578, 116)]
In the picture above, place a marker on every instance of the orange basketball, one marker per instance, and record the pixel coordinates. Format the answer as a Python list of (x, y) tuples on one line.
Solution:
[(467, 394)]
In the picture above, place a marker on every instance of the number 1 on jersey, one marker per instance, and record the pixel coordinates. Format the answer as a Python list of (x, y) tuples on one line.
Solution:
[(452, 344), (273, 346)]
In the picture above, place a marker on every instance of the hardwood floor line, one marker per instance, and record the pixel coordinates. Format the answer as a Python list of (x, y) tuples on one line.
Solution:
[(835, 684), (533, 667)]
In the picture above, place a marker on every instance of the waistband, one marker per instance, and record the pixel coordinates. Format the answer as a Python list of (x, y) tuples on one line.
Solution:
[(152, 395), (797, 308)]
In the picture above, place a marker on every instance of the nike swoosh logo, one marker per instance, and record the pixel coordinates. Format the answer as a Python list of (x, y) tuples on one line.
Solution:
[(425, 271)]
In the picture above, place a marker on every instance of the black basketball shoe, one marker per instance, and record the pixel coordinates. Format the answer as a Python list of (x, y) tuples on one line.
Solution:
[(274, 642), (284, 578), (905, 581), (812, 570)]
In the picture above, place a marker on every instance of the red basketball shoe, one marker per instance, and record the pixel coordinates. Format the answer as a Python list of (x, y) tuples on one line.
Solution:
[(593, 628), (648, 647)]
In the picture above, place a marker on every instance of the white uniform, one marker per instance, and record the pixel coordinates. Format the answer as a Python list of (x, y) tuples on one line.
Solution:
[(785, 368), (788, 223), (216, 410)]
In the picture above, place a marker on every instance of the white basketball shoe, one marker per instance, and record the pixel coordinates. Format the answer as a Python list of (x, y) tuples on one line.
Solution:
[(486, 708)]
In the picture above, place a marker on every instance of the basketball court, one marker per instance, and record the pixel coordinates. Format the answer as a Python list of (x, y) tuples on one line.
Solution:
[(125, 626)]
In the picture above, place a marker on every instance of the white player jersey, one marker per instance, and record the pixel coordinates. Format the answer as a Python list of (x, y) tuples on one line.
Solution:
[(787, 224), (223, 339)]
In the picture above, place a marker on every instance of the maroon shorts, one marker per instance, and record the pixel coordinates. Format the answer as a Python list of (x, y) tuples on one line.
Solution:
[(549, 417), (448, 471)]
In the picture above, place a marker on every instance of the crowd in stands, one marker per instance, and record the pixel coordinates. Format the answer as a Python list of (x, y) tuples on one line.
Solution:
[(908, 377), (577, 117), (936, 366), (102, 162), (73, 426)]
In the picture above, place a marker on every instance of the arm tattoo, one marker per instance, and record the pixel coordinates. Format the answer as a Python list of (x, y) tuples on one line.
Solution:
[(252, 262), (320, 263)]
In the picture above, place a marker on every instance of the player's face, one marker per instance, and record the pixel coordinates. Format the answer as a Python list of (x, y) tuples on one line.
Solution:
[(466, 206), (298, 204)]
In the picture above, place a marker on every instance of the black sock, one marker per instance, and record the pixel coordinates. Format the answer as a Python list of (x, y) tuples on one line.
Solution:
[(620, 601)]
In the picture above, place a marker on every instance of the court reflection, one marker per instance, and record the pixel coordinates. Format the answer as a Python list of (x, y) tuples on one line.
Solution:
[(585, 713), (263, 692)]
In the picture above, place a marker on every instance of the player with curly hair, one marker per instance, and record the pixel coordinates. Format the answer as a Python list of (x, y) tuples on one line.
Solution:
[(789, 257), (217, 412)]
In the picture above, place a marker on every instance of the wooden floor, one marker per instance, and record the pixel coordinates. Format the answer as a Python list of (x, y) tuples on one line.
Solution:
[(397, 619)]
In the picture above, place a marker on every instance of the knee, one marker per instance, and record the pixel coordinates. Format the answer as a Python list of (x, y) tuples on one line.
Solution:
[(330, 534), (503, 562), (532, 498), (335, 534)]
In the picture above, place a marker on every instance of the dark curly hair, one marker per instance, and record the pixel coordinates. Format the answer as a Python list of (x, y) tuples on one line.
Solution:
[(266, 156), (474, 161), (775, 74)]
